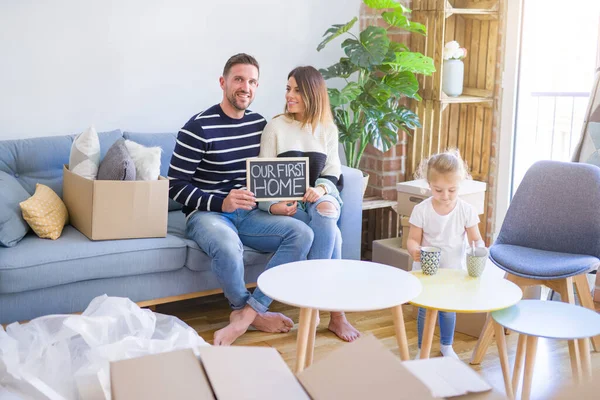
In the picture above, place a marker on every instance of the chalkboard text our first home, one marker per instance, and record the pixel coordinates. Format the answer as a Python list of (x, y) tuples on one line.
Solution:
[(277, 178)]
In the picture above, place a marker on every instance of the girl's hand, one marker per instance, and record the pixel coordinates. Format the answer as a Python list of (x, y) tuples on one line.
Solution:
[(313, 194), (416, 254), (288, 208)]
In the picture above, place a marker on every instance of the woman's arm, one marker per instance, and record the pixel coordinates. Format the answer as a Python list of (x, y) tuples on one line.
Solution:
[(415, 236)]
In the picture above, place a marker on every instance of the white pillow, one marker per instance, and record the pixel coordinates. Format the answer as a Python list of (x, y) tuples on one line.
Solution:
[(85, 154), (146, 160)]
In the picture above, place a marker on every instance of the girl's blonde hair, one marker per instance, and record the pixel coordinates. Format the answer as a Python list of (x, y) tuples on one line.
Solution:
[(448, 162), (313, 91)]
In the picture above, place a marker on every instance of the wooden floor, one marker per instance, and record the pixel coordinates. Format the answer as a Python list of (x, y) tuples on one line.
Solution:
[(211, 313)]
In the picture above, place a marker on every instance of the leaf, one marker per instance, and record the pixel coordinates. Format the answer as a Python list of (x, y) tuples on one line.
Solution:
[(402, 84), (351, 92), (413, 62), (342, 69), (395, 47), (376, 94), (398, 19), (380, 4), (371, 50), (335, 31)]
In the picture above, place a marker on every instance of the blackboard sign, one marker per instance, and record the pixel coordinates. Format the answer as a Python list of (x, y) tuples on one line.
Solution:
[(277, 178)]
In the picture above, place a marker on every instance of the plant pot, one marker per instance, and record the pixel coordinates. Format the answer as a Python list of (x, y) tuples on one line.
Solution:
[(365, 182), (453, 73)]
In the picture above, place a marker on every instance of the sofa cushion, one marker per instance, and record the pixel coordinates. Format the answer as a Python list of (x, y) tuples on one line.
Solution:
[(167, 142), (117, 164), (12, 225), (45, 213), (198, 260), (36, 263), (41, 160), (85, 154)]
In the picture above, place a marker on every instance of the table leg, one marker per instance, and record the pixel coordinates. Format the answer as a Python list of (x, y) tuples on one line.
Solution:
[(501, 343), (575, 360), (302, 340), (430, 319), (400, 332), (519, 358), (485, 338), (529, 364), (312, 332), (586, 361)]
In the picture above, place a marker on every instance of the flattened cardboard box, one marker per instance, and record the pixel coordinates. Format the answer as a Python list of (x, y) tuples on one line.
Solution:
[(360, 370), (104, 210)]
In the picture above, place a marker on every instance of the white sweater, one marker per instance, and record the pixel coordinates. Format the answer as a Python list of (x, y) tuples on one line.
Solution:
[(285, 137)]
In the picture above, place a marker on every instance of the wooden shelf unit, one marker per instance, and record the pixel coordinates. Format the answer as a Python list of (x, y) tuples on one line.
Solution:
[(464, 122)]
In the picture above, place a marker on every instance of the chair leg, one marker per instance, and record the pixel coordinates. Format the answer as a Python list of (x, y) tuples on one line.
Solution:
[(585, 299), (485, 338)]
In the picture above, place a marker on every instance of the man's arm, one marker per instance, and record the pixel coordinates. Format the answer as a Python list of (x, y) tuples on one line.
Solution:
[(187, 155)]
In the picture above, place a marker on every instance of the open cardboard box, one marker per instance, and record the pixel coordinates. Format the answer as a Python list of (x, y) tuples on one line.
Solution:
[(364, 369), (103, 210)]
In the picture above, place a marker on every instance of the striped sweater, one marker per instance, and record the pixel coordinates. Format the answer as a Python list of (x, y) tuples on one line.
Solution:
[(210, 158)]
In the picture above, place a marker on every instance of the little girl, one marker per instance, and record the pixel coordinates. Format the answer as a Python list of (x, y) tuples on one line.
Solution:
[(445, 221)]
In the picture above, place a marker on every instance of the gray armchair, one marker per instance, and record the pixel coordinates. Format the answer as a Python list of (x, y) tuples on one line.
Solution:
[(551, 236)]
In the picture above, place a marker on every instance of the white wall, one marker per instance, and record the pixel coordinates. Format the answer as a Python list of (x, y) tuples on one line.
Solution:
[(147, 65)]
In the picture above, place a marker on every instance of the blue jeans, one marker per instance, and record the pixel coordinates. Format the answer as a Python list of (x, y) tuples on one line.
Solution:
[(223, 235), (447, 324), (327, 243)]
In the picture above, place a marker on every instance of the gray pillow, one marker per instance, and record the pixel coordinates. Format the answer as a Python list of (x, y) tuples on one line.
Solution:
[(12, 225), (117, 164)]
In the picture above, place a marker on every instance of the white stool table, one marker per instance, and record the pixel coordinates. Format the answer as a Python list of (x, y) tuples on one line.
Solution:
[(547, 319), (339, 285)]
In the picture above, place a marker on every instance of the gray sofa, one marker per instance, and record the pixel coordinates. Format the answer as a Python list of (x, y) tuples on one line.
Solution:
[(41, 276)]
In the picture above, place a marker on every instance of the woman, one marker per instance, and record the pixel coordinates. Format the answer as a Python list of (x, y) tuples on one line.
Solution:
[(306, 129)]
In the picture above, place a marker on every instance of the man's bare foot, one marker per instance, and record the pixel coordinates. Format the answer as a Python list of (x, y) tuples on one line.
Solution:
[(239, 321), (272, 322), (342, 328)]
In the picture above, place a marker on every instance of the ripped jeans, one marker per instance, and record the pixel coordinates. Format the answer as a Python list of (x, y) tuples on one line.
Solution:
[(327, 243)]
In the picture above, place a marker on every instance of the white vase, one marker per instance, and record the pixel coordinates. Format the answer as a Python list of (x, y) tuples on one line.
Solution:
[(452, 77)]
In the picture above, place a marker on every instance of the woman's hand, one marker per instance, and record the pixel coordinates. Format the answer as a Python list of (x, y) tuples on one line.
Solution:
[(284, 208), (313, 194)]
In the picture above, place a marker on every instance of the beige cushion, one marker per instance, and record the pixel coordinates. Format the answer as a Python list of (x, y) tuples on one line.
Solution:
[(45, 212), (85, 154)]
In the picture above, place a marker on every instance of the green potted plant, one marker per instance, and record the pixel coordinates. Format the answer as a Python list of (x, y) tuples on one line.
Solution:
[(378, 74)]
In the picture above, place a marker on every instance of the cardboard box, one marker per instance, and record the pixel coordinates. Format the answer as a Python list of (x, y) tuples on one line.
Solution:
[(405, 229), (104, 210), (360, 370), (411, 193), (390, 252)]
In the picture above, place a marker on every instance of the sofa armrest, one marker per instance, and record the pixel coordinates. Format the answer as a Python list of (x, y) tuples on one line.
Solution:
[(350, 222)]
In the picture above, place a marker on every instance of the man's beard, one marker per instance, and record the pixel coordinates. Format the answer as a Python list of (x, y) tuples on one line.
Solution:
[(235, 103)]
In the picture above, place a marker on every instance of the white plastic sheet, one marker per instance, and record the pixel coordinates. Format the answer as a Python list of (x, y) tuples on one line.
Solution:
[(62, 357)]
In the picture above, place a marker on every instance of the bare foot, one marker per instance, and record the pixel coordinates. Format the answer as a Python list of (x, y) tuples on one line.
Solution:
[(272, 322), (239, 321), (342, 328)]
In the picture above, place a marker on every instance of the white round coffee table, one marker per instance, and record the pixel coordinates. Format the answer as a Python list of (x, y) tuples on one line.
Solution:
[(339, 285)]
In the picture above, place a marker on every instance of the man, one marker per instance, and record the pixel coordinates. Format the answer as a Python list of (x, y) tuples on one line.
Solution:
[(208, 176)]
